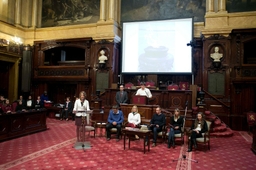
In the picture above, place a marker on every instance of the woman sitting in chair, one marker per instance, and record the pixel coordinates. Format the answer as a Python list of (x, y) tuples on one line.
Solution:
[(176, 125), (198, 127), (134, 118)]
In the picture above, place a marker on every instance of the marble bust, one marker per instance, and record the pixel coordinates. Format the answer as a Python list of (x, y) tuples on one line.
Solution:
[(216, 56), (102, 57)]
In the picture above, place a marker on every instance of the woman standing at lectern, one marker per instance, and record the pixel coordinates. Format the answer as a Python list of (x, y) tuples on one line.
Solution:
[(80, 105)]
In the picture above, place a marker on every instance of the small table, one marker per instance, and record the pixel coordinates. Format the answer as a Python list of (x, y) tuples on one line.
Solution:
[(131, 132), (100, 124)]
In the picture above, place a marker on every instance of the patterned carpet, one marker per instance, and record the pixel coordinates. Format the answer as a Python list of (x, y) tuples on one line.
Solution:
[(53, 149)]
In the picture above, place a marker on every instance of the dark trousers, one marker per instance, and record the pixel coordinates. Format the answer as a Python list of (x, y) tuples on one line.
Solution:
[(171, 134), (109, 126), (155, 131), (65, 114)]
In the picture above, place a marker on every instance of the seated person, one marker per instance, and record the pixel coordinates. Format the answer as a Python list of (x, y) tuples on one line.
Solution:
[(134, 117), (20, 107), (143, 91), (176, 125), (29, 103), (198, 127), (7, 107), (156, 125), (44, 97), (2, 102), (67, 109), (22, 99), (121, 96), (38, 103), (115, 119)]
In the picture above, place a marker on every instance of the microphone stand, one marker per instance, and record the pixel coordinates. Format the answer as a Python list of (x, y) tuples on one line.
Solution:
[(83, 144), (184, 156)]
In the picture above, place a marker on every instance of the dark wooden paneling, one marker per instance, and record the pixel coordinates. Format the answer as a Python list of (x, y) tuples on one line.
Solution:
[(169, 99), (19, 124)]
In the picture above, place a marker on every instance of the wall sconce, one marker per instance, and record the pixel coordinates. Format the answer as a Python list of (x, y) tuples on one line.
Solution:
[(16, 40)]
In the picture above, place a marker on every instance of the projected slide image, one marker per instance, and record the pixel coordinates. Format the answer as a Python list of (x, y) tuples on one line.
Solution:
[(156, 59), (157, 46)]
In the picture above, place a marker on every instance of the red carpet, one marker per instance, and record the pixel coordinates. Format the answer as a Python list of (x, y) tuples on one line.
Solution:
[(52, 149)]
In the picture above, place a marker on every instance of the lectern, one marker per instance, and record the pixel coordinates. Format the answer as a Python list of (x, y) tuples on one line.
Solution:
[(139, 100), (85, 116)]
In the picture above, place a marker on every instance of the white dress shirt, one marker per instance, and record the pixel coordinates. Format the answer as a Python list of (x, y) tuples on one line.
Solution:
[(145, 92)]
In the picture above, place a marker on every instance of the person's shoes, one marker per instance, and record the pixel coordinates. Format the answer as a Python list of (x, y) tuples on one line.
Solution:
[(154, 144), (108, 139), (146, 143), (195, 144), (173, 144), (137, 137)]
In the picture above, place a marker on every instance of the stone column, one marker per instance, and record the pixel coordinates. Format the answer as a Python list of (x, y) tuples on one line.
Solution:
[(39, 13), (26, 68), (222, 5), (111, 10), (34, 14), (210, 6), (103, 10), (17, 12)]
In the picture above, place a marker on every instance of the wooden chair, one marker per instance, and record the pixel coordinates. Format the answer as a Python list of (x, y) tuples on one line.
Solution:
[(205, 139), (178, 135), (90, 128)]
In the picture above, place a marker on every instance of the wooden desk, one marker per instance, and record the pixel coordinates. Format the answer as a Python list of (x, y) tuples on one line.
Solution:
[(20, 124), (130, 133)]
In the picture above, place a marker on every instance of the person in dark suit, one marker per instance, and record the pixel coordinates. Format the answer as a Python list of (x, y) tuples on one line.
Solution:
[(67, 109), (38, 103), (121, 96)]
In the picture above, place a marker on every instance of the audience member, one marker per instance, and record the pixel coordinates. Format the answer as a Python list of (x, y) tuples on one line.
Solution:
[(23, 100), (143, 91), (121, 96), (20, 107), (115, 120), (7, 107), (176, 125), (2, 102), (30, 103), (38, 103), (44, 97), (198, 127), (156, 125), (80, 105), (67, 109)]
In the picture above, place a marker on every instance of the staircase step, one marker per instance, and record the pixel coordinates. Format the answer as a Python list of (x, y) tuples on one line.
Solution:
[(227, 133), (220, 128)]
